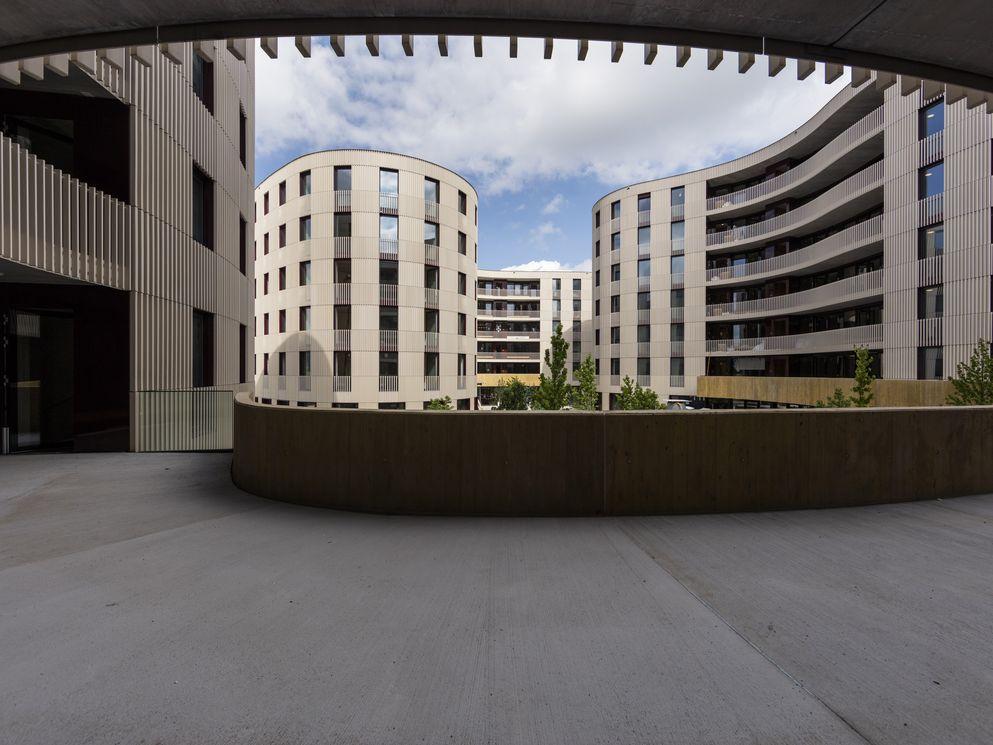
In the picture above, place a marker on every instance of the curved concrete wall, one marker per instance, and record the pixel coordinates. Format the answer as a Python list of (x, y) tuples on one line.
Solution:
[(577, 463)]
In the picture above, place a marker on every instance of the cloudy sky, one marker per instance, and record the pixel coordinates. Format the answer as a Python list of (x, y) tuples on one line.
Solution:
[(540, 140)]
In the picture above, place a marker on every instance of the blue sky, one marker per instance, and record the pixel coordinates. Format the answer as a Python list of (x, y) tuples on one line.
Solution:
[(541, 140)]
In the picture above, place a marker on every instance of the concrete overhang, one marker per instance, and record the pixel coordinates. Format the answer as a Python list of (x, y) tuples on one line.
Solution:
[(947, 42)]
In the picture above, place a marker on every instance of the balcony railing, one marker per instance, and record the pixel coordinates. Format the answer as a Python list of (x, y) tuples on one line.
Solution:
[(644, 380), (431, 341), (387, 294), (644, 218), (932, 148), (644, 315), (855, 185), (677, 280), (931, 209), (834, 292), (342, 340), (644, 250), (388, 203), (509, 291), (460, 382), (677, 211), (866, 127), (511, 356), (644, 349), (677, 381), (516, 313), (929, 271), (431, 253), (431, 210), (677, 315), (342, 383), (676, 348), (389, 383), (482, 334), (342, 293), (834, 245), (645, 283), (432, 383), (431, 297), (615, 379), (389, 248), (304, 383), (387, 340), (342, 246), (342, 200), (817, 341), (615, 225)]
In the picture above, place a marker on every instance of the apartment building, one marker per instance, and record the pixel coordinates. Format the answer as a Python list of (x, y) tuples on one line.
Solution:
[(366, 269), (868, 226), (517, 313), (126, 185)]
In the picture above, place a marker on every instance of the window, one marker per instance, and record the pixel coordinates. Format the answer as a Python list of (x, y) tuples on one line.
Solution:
[(389, 364), (305, 228), (304, 365), (203, 208), (389, 318), (265, 324), (282, 362), (644, 333), (342, 224), (462, 203), (342, 178), (677, 195), (265, 203), (282, 320), (644, 235), (203, 349), (676, 366), (931, 180), (343, 317), (644, 366), (431, 191), (389, 181), (304, 183), (462, 243), (282, 278), (282, 193), (203, 81), (596, 278), (932, 119), (431, 233), (242, 349), (431, 364), (265, 364), (304, 273), (596, 337), (930, 365), (577, 285), (677, 231), (615, 303), (931, 241), (930, 302), (282, 235), (676, 298), (615, 210), (305, 318), (596, 366), (677, 332), (644, 268), (343, 364), (677, 264), (644, 301), (265, 283), (556, 284), (644, 202), (596, 248), (615, 272), (615, 334), (343, 271), (388, 228), (242, 245), (265, 244), (596, 219), (462, 322), (389, 272), (392, 405), (577, 305), (615, 365), (615, 241), (596, 307), (460, 362), (461, 283), (242, 136)]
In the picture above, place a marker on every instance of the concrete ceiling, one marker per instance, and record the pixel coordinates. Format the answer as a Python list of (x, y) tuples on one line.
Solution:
[(949, 42)]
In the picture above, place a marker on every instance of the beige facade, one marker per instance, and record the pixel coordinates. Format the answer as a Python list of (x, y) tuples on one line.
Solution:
[(517, 313), (868, 226), (366, 264), (156, 227)]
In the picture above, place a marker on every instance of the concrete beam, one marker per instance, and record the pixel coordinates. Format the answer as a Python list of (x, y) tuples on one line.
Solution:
[(337, 44), (443, 45), (113, 57), (859, 76), (583, 49), (372, 44), (805, 68), (172, 52), (745, 61), (85, 61), (238, 48), (974, 98), (407, 42), (304, 45), (832, 71), (58, 63), (683, 56), (616, 50), (885, 80), (714, 58), (477, 45), (932, 88), (11, 72), (651, 52), (33, 67), (512, 47), (206, 49), (777, 64), (909, 84), (549, 46), (270, 45), (144, 55)]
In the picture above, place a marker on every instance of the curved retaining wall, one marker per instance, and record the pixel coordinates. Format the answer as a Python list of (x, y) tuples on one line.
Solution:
[(609, 463)]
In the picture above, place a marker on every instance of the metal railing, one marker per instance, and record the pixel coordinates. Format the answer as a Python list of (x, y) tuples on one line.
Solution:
[(615, 225), (387, 340), (389, 248), (388, 383), (931, 210), (431, 297), (516, 313), (929, 332), (832, 292), (343, 200), (644, 250), (304, 383), (677, 211), (460, 382), (431, 210), (677, 315), (432, 383), (677, 381), (509, 292), (342, 339), (518, 356), (483, 334), (615, 379), (644, 380), (387, 294), (645, 283), (866, 127), (644, 349), (644, 218), (836, 339), (431, 253), (388, 203), (183, 420), (834, 245), (644, 315), (853, 186), (932, 148), (676, 348), (431, 341), (929, 271), (342, 383), (343, 246), (677, 280)]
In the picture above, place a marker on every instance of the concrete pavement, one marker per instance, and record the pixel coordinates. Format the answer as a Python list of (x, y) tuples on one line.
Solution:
[(144, 598)]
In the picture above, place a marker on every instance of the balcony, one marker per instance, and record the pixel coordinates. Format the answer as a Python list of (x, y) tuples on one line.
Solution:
[(431, 297), (644, 315), (836, 340), (645, 283), (342, 293), (644, 349), (508, 291), (644, 380), (931, 210), (389, 383), (342, 383), (677, 211), (388, 203), (677, 280), (431, 211), (387, 340), (342, 340), (831, 247), (837, 293), (389, 248), (534, 314), (460, 382), (676, 348), (847, 191), (644, 218), (342, 200), (644, 250), (864, 129), (932, 149), (511, 356), (388, 294), (615, 380), (508, 335), (430, 253), (677, 381), (431, 341), (342, 247), (432, 383)]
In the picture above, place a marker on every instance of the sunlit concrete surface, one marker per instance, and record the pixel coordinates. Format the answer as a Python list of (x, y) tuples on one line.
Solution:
[(144, 598)]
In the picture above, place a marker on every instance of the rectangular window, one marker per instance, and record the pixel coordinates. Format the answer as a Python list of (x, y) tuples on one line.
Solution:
[(389, 364), (596, 337), (282, 278), (203, 349), (342, 224), (596, 307), (389, 318), (644, 268), (615, 365), (203, 81), (644, 235), (577, 305), (677, 231), (596, 248), (203, 208), (265, 283), (460, 365), (304, 273), (265, 203), (932, 119), (644, 366), (596, 219), (305, 228), (644, 333), (343, 178), (930, 302), (615, 303), (462, 280), (615, 210), (596, 278), (242, 352), (677, 195), (282, 235), (304, 183), (615, 334), (265, 324), (676, 298), (343, 364), (389, 181), (432, 190), (242, 136), (343, 317), (644, 202), (930, 365), (242, 245), (389, 272), (931, 180), (676, 366), (677, 332), (931, 241), (462, 243), (343, 271), (265, 363), (644, 301), (305, 318), (462, 324), (389, 228), (304, 365), (265, 244), (431, 233), (462, 203), (677, 264), (282, 363), (577, 285), (282, 320), (282, 193), (615, 272), (615, 241)]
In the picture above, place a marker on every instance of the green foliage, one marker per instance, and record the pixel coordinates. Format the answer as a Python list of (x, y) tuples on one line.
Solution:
[(838, 400), (973, 381), (513, 395), (862, 390), (440, 404), (553, 389), (635, 398), (584, 395)]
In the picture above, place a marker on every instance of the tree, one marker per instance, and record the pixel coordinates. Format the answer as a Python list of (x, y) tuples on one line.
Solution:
[(513, 395), (553, 389), (440, 404), (585, 396), (838, 400), (973, 381), (862, 390), (635, 398)]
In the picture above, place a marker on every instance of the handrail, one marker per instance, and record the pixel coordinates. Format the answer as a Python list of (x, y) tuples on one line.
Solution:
[(847, 338), (831, 292)]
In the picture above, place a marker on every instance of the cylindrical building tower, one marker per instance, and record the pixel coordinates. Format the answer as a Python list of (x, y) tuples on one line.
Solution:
[(365, 282)]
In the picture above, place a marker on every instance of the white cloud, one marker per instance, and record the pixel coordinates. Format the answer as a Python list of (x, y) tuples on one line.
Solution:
[(554, 205), (504, 122), (546, 265)]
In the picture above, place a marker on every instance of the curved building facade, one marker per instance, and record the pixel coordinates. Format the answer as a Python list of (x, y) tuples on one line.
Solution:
[(868, 226), (365, 280)]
